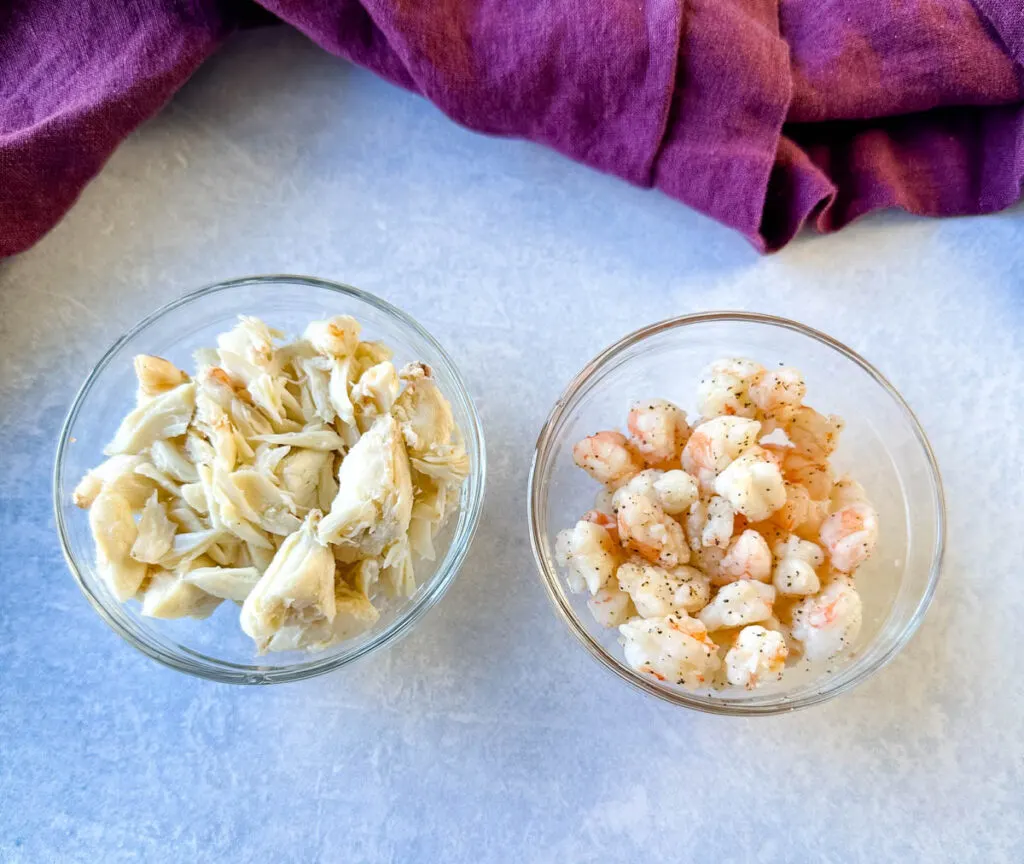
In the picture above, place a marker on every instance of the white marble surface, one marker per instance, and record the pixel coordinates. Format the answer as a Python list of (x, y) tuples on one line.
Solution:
[(488, 735)]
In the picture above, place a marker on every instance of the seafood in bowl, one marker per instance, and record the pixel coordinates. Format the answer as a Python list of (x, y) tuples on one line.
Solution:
[(297, 479), (725, 548)]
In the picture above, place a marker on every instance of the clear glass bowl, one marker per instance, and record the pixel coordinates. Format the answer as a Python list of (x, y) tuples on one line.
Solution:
[(217, 648), (883, 446)]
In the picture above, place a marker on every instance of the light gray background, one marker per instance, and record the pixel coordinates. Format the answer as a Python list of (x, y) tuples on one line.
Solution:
[(488, 735)]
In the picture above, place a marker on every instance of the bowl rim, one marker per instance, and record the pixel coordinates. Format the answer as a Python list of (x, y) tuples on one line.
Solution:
[(203, 666), (543, 451)]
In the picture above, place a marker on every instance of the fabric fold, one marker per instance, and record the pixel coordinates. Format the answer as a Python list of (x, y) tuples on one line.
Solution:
[(766, 115), (75, 80)]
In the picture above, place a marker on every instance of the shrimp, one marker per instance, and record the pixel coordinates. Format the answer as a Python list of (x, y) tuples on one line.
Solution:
[(779, 389), (724, 388), (708, 559), (738, 604), (794, 574), (648, 530), (607, 458), (748, 557), (756, 653), (716, 443), (718, 525), (829, 622), (799, 510), (753, 485), (611, 606), (674, 490), (850, 535), (812, 434), (589, 555), (658, 431), (657, 592), (846, 491), (606, 521), (815, 475), (675, 648)]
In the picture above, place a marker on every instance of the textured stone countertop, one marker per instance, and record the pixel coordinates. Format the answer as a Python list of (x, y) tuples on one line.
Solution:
[(488, 735)]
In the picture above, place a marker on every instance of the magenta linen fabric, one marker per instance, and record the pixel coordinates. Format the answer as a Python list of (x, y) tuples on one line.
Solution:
[(764, 114)]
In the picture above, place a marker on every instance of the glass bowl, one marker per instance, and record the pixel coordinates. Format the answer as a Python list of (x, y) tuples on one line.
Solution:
[(883, 446), (217, 648)]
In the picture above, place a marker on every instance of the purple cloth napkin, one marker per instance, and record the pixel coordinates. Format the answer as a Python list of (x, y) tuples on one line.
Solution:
[(764, 114)]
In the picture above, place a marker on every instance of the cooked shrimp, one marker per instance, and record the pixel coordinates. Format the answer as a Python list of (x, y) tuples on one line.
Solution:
[(589, 555), (696, 516), (753, 485), (658, 430), (738, 604), (606, 521), (724, 388), (846, 491), (611, 606), (829, 622), (675, 648), (718, 525), (812, 434), (607, 458), (657, 591), (798, 509), (708, 559), (794, 574), (850, 535), (648, 530), (748, 557), (815, 475), (780, 387), (756, 654), (714, 444), (674, 490)]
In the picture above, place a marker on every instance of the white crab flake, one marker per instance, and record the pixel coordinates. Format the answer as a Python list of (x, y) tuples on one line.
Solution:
[(216, 483)]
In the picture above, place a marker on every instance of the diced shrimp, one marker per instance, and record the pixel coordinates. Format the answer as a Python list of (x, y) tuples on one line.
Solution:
[(640, 484), (812, 434), (607, 458), (798, 509), (813, 474), (756, 654), (829, 622), (753, 485), (795, 571), (658, 430), (780, 387), (738, 604), (606, 521), (748, 557), (718, 525), (589, 555), (674, 490), (676, 649), (714, 444), (648, 530), (611, 606), (850, 535), (657, 592), (846, 491), (724, 388), (696, 516), (708, 559)]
